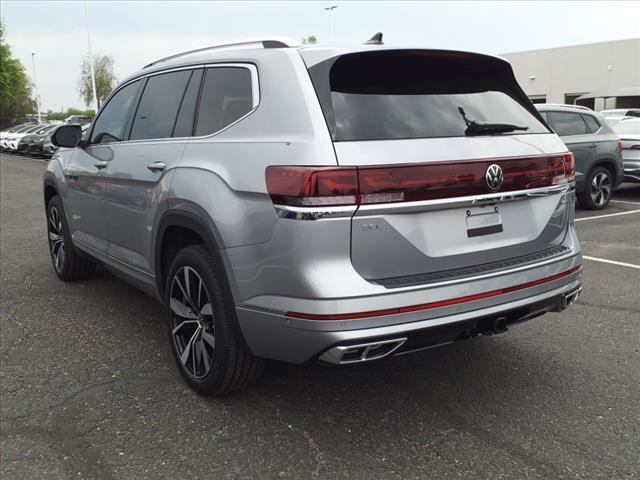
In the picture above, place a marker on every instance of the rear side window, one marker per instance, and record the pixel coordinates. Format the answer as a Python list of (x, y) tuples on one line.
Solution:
[(398, 94), (158, 109), (186, 116), (226, 96), (567, 123), (592, 124), (109, 126)]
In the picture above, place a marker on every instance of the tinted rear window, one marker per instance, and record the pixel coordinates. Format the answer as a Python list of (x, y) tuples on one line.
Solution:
[(592, 124), (566, 123), (158, 109), (226, 96), (417, 94)]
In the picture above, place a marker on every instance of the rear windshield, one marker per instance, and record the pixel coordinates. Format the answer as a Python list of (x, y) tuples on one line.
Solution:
[(418, 94)]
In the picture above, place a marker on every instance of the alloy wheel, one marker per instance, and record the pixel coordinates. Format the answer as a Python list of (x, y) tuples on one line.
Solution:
[(192, 326), (56, 239), (600, 188)]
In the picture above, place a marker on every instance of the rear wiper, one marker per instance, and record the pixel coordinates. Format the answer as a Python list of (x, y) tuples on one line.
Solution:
[(479, 128)]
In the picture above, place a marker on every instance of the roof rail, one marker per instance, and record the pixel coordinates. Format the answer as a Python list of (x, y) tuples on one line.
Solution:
[(580, 107), (271, 42)]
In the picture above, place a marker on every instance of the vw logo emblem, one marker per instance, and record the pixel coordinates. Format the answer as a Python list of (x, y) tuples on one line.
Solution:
[(493, 177)]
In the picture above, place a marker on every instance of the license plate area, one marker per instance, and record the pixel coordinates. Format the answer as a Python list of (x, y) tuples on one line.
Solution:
[(483, 222)]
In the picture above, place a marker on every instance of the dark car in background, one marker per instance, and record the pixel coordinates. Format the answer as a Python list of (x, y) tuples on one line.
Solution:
[(28, 144), (596, 147)]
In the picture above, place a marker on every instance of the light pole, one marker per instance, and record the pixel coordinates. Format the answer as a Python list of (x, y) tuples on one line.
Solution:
[(35, 83), (331, 9), (93, 73)]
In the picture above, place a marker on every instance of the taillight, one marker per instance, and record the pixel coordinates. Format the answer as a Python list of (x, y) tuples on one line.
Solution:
[(312, 186), (619, 147), (337, 186), (569, 167)]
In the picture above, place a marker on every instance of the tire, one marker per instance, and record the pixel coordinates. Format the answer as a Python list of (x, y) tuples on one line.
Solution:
[(202, 326), (598, 189), (67, 264)]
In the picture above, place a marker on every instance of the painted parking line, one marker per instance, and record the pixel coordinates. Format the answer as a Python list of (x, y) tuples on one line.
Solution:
[(624, 201), (608, 215), (612, 262)]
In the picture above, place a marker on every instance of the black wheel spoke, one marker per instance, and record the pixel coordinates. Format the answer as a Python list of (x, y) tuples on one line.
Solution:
[(56, 239), (181, 309), (192, 321)]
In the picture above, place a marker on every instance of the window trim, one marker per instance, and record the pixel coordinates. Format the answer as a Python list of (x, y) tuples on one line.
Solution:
[(255, 95), (589, 132), (127, 119), (255, 100)]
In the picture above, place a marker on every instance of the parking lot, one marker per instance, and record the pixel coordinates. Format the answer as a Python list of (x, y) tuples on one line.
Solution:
[(90, 390)]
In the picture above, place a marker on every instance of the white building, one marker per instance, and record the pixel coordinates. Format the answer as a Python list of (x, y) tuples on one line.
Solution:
[(597, 75)]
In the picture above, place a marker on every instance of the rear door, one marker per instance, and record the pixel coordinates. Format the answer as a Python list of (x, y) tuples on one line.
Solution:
[(437, 199), (136, 177)]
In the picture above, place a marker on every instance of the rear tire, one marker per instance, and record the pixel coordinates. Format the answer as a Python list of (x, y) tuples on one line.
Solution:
[(202, 326), (67, 263), (598, 189)]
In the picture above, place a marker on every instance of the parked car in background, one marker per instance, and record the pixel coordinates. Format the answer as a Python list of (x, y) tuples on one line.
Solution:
[(47, 148), (26, 142), (5, 134), (596, 147), (621, 112), (78, 120), (12, 141), (617, 115), (338, 205), (629, 133)]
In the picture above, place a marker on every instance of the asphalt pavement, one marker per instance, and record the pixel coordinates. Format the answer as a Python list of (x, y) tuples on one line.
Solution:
[(89, 388)]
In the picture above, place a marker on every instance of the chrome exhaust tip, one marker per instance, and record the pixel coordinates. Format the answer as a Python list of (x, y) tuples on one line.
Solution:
[(570, 298), (363, 352)]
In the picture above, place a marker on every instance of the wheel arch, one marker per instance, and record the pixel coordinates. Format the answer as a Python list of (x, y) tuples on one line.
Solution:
[(191, 227), (185, 221), (608, 163)]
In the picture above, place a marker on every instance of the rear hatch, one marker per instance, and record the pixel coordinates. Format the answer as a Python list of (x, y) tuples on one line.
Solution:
[(457, 172)]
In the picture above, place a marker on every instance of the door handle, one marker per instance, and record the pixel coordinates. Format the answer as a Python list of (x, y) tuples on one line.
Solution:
[(593, 145), (157, 166), (100, 165)]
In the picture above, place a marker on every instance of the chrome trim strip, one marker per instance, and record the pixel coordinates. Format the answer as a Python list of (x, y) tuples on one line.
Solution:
[(461, 202), (318, 212), (314, 213)]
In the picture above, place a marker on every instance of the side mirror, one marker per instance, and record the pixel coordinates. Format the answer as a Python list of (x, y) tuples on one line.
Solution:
[(67, 136)]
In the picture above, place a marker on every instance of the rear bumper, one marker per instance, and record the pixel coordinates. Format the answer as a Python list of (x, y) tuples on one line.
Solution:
[(276, 335), (632, 171)]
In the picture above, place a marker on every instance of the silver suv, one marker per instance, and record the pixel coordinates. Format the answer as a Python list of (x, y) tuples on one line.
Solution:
[(338, 205)]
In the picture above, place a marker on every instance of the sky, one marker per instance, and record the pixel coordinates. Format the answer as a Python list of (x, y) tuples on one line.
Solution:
[(136, 33)]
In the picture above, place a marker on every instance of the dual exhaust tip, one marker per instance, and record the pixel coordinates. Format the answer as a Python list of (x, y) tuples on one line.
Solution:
[(364, 352)]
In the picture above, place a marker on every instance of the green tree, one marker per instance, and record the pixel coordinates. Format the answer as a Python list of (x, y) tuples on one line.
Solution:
[(105, 79), (310, 40), (51, 115), (15, 87)]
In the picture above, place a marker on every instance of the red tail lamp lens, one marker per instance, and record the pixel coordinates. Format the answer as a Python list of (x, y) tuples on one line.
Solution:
[(335, 186), (569, 167), (312, 186)]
